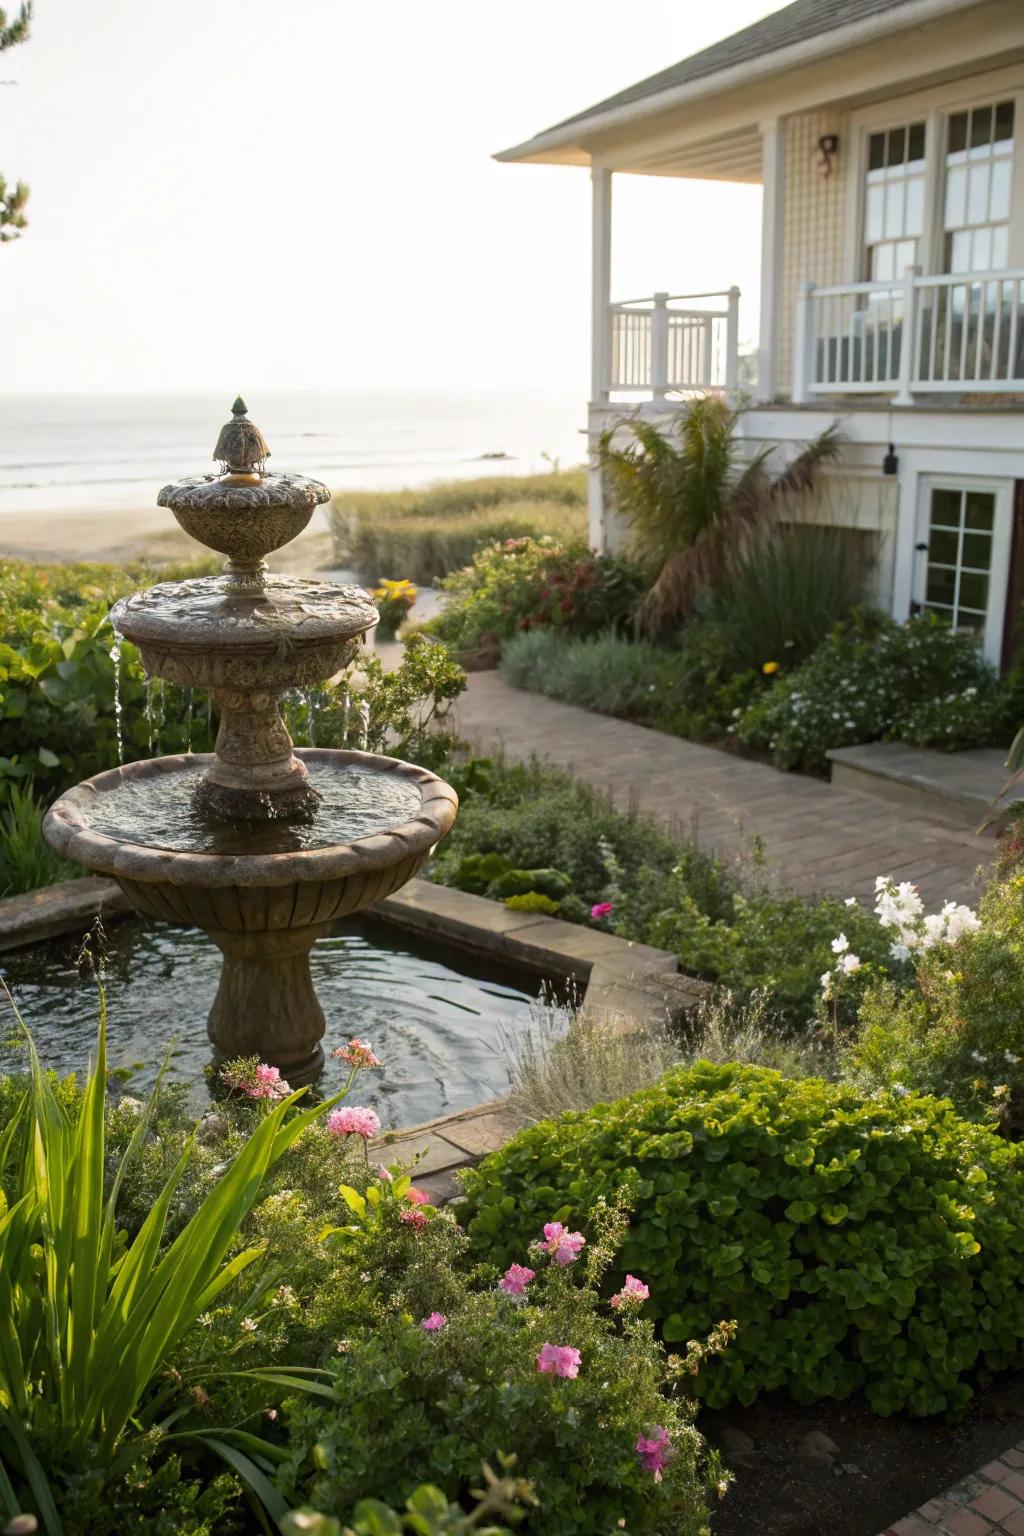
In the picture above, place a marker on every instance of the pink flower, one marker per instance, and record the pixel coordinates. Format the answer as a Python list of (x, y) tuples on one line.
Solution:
[(515, 1279), (384, 1174), (413, 1218), (558, 1360), (634, 1292), (357, 1121), (601, 909), (358, 1053), (434, 1323), (654, 1452), (255, 1082), (417, 1197), (564, 1247)]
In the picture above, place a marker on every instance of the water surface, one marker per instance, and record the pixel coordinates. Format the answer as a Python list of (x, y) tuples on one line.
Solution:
[(439, 1019), (161, 812)]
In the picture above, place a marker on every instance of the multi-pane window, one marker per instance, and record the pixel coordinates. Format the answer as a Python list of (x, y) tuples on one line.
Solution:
[(979, 175), (961, 526), (894, 201)]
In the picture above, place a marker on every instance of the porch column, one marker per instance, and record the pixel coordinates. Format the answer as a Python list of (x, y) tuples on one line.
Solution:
[(773, 176), (600, 342), (600, 284)]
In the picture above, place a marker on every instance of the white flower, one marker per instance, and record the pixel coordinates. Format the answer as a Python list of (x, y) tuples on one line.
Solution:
[(1011, 1058), (851, 901), (850, 965), (206, 1319), (249, 1325), (899, 951), (840, 945), (826, 985)]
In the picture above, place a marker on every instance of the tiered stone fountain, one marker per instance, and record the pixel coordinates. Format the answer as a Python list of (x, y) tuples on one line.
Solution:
[(259, 844)]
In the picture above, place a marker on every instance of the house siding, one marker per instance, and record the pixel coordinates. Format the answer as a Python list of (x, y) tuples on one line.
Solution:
[(814, 224)]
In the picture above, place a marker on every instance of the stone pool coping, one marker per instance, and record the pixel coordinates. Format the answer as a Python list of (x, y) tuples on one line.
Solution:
[(626, 985)]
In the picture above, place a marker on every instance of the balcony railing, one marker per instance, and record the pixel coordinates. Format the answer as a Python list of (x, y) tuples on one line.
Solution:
[(674, 343), (954, 333)]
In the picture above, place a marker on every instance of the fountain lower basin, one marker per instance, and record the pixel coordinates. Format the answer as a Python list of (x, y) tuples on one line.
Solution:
[(264, 894)]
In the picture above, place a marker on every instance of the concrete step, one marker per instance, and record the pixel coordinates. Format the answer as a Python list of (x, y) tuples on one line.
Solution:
[(954, 789)]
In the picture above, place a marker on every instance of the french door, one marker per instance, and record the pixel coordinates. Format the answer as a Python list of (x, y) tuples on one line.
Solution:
[(964, 534)]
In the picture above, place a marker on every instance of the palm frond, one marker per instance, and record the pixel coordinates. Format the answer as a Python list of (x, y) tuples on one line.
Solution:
[(738, 504)]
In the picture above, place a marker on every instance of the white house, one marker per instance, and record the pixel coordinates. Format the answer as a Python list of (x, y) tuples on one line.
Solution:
[(888, 136)]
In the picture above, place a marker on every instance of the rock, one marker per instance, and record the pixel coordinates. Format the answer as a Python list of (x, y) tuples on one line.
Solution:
[(818, 1449), (735, 1440), (740, 1450)]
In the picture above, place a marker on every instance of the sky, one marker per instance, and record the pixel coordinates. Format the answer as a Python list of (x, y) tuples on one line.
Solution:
[(302, 195)]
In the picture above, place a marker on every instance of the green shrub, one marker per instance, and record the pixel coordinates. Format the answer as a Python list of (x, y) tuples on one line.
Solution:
[(606, 673), (428, 1512), (413, 1404), (870, 1245), (535, 817), (526, 584), (868, 680), (427, 534), (959, 1031), (751, 940)]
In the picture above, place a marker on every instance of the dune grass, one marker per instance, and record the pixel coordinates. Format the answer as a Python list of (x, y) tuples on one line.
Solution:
[(423, 535)]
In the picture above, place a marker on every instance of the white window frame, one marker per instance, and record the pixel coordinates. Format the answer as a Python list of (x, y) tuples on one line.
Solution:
[(1002, 541), (934, 107)]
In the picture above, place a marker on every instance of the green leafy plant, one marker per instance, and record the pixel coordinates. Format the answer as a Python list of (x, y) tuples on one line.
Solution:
[(452, 1373), (526, 584), (90, 1320), (427, 1512), (860, 1244), (689, 506), (959, 1029), (875, 678), (26, 861)]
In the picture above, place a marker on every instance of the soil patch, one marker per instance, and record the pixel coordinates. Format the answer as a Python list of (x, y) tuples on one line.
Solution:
[(836, 1469)]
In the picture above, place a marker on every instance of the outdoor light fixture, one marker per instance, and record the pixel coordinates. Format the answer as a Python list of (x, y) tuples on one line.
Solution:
[(891, 463), (828, 149)]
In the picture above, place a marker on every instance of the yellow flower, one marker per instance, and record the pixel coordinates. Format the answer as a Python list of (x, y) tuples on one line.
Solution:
[(769, 667)]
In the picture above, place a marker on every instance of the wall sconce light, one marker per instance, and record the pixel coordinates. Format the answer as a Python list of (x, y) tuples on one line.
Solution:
[(891, 463), (828, 150)]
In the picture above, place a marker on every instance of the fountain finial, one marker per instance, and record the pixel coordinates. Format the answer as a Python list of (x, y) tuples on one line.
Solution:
[(241, 446)]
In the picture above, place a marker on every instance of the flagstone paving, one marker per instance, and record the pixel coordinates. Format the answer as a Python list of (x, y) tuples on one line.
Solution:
[(814, 837)]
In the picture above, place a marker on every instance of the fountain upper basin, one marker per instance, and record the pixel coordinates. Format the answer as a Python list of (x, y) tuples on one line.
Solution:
[(387, 816)]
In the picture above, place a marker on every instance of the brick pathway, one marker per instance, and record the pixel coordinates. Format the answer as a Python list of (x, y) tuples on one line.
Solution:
[(816, 838), (991, 1503)]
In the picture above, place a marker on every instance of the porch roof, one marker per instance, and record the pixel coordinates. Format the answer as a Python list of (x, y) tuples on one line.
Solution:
[(802, 33)]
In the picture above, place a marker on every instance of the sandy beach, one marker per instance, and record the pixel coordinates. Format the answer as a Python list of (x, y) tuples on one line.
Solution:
[(125, 535)]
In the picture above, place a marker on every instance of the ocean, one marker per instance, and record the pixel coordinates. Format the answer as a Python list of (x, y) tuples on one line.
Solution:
[(90, 453)]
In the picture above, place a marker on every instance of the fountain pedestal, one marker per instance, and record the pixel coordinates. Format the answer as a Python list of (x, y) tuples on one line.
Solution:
[(209, 839), (265, 976)]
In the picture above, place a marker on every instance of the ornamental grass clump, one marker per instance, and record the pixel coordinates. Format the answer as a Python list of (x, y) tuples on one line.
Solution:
[(860, 1244)]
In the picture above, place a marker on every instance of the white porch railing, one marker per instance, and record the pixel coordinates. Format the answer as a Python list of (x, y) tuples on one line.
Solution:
[(674, 343), (954, 333)]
